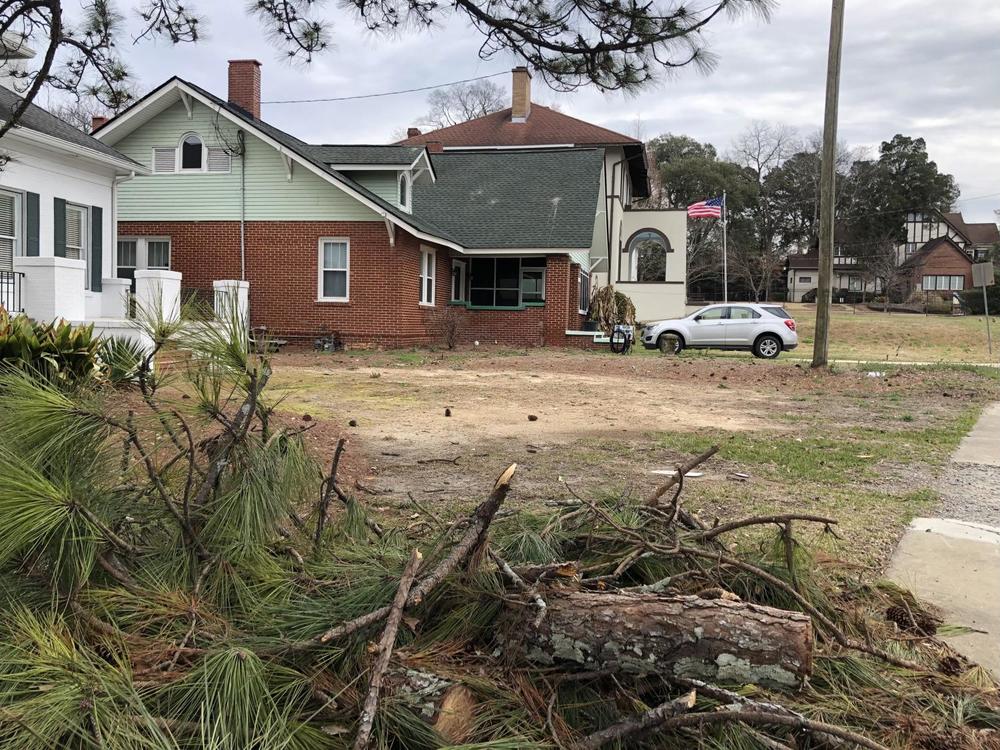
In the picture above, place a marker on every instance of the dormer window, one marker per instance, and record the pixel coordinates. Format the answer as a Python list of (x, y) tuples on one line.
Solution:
[(404, 190), (192, 152)]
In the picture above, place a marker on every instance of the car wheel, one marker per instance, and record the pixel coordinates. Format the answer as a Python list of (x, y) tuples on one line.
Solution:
[(767, 346), (670, 343)]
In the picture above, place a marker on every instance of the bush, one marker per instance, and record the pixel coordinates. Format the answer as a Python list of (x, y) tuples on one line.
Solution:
[(609, 307), (972, 300), (58, 351)]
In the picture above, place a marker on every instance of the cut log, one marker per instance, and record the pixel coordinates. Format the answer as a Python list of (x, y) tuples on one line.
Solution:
[(715, 639), (449, 707)]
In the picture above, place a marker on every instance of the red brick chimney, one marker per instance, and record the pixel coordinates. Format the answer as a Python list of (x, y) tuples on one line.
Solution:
[(97, 121), (412, 132), (520, 94), (434, 147), (244, 85)]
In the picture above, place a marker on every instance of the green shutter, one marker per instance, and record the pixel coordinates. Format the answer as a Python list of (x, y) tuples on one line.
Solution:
[(96, 247), (31, 224), (59, 227)]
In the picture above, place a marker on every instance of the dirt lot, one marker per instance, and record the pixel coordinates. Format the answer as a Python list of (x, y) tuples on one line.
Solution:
[(862, 448)]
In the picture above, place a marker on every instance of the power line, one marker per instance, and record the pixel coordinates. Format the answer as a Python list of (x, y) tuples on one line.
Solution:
[(977, 197), (384, 93)]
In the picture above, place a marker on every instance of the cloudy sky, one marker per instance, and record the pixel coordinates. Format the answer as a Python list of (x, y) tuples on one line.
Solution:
[(921, 67)]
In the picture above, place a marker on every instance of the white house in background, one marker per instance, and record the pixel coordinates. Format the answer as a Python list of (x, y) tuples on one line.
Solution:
[(58, 189)]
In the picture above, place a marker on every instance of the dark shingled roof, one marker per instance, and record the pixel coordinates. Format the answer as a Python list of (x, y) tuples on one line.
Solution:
[(358, 154), (514, 199), (37, 119), (979, 233)]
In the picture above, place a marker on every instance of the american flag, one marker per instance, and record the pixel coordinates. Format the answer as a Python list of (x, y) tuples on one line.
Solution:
[(710, 209)]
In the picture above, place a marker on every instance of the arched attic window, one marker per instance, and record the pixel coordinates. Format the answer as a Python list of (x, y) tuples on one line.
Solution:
[(192, 154), (404, 190), (647, 250)]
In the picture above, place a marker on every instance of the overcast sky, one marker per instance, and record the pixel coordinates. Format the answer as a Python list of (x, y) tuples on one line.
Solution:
[(921, 67)]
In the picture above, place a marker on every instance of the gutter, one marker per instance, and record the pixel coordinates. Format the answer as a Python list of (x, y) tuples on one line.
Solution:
[(77, 150)]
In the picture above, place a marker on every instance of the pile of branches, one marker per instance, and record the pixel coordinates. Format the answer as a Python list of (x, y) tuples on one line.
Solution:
[(178, 572)]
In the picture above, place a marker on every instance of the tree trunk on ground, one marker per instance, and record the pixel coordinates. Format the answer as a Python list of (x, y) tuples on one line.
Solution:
[(712, 639)]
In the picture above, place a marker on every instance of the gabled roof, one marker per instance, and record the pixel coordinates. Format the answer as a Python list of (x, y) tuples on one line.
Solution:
[(41, 121), (984, 233), (920, 256), (543, 127), (533, 199), (297, 148)]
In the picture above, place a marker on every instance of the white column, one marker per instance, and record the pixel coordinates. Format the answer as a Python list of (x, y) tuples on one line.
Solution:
[(114, 298), (53, 287), (232, 296), (159, 293)]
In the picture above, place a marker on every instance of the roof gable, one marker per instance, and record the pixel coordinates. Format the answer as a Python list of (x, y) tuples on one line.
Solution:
[(941, 244)]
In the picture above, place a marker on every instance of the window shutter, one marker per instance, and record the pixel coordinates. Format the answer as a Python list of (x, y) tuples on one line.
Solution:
[(31, 224), (59, 227), (96, 247), (218, 160), (164, 160)]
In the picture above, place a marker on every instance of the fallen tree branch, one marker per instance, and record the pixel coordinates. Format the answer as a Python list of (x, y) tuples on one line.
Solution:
[(639, 725), (367, 720), (326, 493), (470, 541), (521, 586), (660, 491), (760, 521)]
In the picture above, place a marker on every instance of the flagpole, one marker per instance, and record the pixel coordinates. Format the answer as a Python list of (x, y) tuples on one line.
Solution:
[(725, 259)]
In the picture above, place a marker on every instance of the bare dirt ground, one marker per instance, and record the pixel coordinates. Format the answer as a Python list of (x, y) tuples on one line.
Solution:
[(588, 423)]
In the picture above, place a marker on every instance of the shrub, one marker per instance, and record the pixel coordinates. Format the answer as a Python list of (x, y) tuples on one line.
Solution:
[(58, 351), (609, 307), (972, 300), (447, 323)]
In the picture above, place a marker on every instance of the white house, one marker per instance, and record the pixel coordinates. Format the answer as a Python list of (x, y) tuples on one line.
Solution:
[(58, 189)]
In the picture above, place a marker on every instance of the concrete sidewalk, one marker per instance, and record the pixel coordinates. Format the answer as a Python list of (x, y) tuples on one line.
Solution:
[(955, 564)]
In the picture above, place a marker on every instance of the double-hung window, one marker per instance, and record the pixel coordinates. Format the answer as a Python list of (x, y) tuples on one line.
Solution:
[(584, 293), (334, 270), (428, 259), (10, 228), (532, 280), (77, 232), (139, 253), (458, 280)]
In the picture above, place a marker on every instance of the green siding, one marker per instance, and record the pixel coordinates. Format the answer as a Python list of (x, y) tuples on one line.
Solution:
[(383, 184), (216, 197)]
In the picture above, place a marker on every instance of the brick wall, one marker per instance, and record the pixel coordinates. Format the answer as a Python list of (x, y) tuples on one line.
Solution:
[(944, 260), (282, 268)]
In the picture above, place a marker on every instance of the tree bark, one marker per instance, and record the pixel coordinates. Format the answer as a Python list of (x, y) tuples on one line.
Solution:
[(714, 639)]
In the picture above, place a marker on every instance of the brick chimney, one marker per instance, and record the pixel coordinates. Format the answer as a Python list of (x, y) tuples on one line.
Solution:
[(97, 121), (244, 85), (434, 147), (520, 94), (412, 132)]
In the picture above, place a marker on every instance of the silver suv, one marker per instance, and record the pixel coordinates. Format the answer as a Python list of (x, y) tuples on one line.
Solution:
[(765, 330)]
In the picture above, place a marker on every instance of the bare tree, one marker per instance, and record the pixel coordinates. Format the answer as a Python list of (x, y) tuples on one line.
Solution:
[(764, 146), (611, 44), (79, 113), (463, 101)]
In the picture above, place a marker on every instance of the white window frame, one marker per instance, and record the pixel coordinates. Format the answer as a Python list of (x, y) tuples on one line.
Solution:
[(405, 179), (180, 154), (320, 268), (583, 275), (428, 260), (142, 252), (459, 272), (18, 236), (84, 248)]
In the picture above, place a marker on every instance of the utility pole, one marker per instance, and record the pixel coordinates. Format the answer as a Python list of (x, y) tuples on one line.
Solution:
[(828, 185)]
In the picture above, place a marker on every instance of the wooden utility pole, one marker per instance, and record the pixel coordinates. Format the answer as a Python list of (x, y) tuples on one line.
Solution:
[(828, 188)]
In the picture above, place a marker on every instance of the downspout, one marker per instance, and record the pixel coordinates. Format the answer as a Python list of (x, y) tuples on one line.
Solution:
[(241, 137)]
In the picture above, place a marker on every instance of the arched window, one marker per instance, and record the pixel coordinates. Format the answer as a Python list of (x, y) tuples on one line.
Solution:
[(404, 190), (647, 250), (192, 156)]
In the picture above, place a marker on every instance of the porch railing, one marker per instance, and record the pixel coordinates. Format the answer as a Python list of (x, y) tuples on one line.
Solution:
[(10, 291)]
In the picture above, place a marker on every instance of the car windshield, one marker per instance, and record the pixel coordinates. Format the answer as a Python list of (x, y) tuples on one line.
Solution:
[(779, 312)]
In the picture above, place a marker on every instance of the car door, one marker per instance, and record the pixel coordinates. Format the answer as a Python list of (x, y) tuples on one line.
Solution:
[(741, 325), (707, 328)]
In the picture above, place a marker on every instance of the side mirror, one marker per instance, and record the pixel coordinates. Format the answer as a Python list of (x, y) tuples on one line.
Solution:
[(697, 318)]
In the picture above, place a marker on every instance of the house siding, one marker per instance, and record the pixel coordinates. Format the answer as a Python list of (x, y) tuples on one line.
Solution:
[(216, 196), (282, 268), (383, 184), (944, 260)]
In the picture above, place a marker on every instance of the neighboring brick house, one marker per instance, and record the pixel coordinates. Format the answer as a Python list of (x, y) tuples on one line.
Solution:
[(941, 265), (378, 244), (925, 231), (643, 252)]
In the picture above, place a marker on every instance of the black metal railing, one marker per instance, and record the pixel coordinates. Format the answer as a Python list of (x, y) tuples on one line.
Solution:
[(10, 291)]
